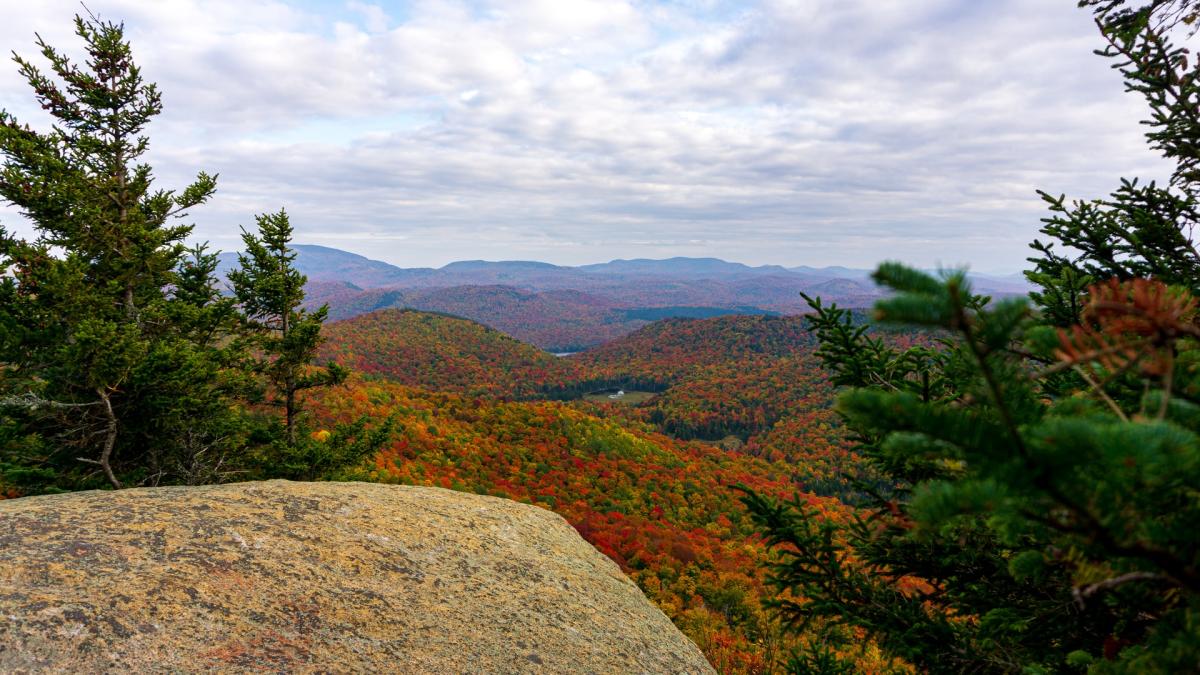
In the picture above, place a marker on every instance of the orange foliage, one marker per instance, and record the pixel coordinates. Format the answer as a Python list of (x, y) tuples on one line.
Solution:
[(1127, 323), (637, 482), (663, 509)]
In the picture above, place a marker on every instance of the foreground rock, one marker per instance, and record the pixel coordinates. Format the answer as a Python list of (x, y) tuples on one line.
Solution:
[(329, 577)]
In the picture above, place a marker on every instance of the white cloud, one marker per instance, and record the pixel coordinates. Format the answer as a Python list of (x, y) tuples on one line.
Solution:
[(374, 16), (817, 132)]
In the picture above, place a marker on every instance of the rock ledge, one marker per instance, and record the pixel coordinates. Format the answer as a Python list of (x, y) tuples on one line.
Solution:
[(328, 577)]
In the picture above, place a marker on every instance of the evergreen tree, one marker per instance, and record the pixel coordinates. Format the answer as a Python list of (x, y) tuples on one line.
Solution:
[(113, 357), (270, 291), (1046, 457), (286, 337)]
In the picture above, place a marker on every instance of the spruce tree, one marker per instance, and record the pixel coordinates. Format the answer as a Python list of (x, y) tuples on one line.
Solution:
[(270, 291), (1044, 457), (112, 359)]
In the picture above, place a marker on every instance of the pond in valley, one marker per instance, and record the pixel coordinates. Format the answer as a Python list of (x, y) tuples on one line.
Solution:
[(624, 396)]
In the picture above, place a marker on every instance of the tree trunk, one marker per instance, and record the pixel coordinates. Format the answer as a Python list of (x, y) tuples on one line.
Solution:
[(110, 439), (289, 412), (130, 310), (289, 384)]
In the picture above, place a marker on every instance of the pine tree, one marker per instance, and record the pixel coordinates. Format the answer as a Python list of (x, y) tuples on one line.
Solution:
[(112, 359), (1045, 458), (270, 291)]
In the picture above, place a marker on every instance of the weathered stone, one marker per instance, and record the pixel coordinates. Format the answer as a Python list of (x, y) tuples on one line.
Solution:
[(316, 577)]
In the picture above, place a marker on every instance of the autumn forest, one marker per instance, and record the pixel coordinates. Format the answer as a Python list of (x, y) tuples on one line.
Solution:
[(807, 470)]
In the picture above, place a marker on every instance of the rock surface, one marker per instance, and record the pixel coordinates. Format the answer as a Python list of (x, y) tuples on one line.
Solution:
[(316, 577)]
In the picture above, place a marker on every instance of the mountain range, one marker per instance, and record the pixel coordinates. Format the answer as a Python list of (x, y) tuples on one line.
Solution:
[(563, 308)]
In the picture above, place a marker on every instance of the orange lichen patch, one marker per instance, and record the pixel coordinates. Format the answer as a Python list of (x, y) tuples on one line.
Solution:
[(228, 582), (266, 649)]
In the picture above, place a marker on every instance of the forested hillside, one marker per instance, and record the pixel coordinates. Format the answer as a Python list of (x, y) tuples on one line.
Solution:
[(669, 350), (443, 353), (557, 320), (991, 481), (664, 509), (751, 384), (639, 482)]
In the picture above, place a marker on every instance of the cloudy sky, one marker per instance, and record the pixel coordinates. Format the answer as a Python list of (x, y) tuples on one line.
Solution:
[(814, 132)]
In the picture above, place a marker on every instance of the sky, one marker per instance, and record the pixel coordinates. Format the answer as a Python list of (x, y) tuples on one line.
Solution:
[(792, 132)]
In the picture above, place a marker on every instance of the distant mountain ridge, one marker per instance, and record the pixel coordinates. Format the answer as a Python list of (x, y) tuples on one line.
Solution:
[(322, 263), (706, 267), (563, 308)]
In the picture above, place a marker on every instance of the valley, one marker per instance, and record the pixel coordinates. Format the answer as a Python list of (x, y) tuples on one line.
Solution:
[(301, 458), (649, 477), (632, 397)]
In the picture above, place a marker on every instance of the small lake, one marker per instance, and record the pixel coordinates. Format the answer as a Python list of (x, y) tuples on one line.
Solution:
[(626, 397)]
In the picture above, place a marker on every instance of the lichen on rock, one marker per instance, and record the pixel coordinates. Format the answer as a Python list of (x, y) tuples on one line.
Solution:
[(316, 577)]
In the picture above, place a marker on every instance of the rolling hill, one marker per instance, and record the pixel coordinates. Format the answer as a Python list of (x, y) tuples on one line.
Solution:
[(442, 353), (669, 350), (750, 383), (557, 321), (322, 263)]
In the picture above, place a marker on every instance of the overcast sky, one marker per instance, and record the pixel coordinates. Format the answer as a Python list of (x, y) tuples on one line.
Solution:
[(818, 132)]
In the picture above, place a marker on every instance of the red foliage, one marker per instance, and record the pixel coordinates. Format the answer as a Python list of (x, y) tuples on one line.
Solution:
[(638, 482), (443, 353), (664, 510)]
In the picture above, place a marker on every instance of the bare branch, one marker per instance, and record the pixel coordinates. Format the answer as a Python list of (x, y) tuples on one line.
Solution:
[(1100, 391), (110, 439), (1082, 593), (31, 401)]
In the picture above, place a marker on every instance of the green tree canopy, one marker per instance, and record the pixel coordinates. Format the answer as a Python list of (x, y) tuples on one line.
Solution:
[(271, 292), (1045, 460), (110, 361), (121, 362)]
